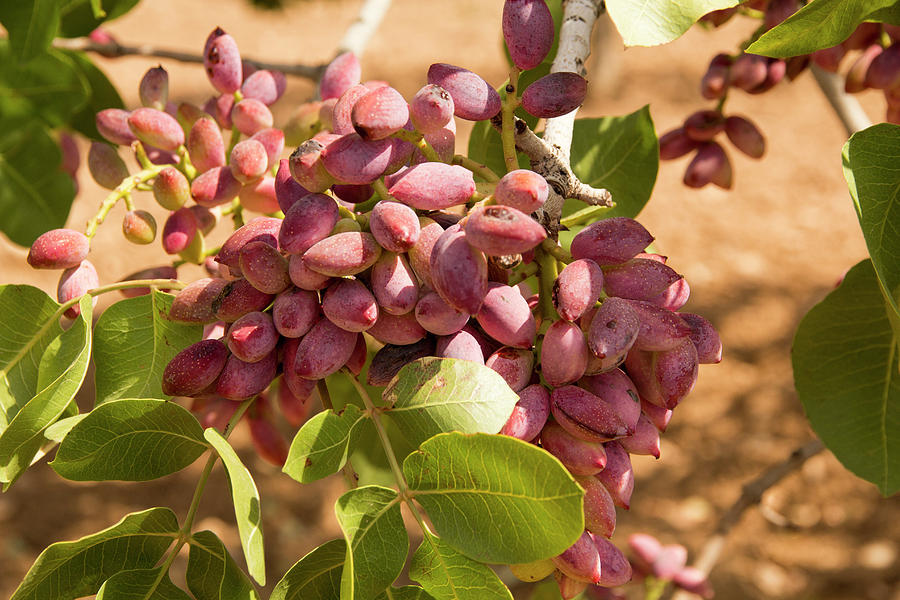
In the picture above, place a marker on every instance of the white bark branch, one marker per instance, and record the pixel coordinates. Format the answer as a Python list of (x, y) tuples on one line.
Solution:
[(579, 17), (357, 36), (845, 106)]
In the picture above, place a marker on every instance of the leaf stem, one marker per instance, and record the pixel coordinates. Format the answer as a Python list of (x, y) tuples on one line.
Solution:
[(419, 141), (381, 189), (479, 169), (389, 451), (184, 533), (584, 215), (507, 128), (123, 190), (349, 473)]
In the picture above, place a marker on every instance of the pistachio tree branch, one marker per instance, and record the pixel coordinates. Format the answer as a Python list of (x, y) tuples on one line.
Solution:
[(751, 495), (547, 160), (578, 21), (355, 40), (369, 17), (550, 155), (846, 107), (116, 50)]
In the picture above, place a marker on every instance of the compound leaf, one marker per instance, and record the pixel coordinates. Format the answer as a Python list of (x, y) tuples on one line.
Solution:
[(140, 584), (130, 440), (68, 570), (620, 154), (869, 167), (211, 572), (322, 445), (434, 395), (448, 575), (35, 196), (31, 26), (246, 505), (60, 373), (134, 341), (316, 575), (494, 498), (845, 360), (654, 22), (819, 24), (377, 543)]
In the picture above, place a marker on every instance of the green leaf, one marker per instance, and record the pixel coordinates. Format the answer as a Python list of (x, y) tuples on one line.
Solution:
[(448, 575), (377, 543), (246, 505), (68, 570), (654, 22), (211, 572), (434, 395), (48, 87), (31, 26), (316, 575), (102, 95), (407, 592), (620, 154), (140, 584), (134, 341), (846, 373), (869, 159), (35, 195), (322, 445), (546, 589), (59, 430), (60, 373), (78, 18), (819, 24), (24, 336), (130, 440), (494, 498)]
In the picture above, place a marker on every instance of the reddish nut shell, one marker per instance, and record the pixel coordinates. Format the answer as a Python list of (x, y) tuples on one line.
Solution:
[(195, 303), (112, 123), (431, 109), (343, 254), (222, 61), (75, 282), (265, 229), (194, 369), (528, 31), (214, 187), (241, 380), (58, 249), (577, 288), (250, 116), (308, 221), (156, 128), (433, 186), (351, 159), (523, 190), (395, 226), (529, 414), (473, 98), (341, 73), (611, 241), (502, 230), (458, 271), (264, 85), (205, 145), (555, 94), (380, 113)]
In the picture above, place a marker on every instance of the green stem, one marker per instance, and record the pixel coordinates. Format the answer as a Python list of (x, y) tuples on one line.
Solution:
[(232, 142), (479, 169), (420, 142), (591, 213), (523, 272), (548, 271), (141, 154), (185, 165), (654, 588), (123, 190), (403, 487), (184, 532), (508, 123), (558, 252), (349, 473), (381, 190)]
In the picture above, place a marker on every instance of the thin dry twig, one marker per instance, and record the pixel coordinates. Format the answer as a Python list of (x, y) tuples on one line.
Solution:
[(355, 40), (750, 496)]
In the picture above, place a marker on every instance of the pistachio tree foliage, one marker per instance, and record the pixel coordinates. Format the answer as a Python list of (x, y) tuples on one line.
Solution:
[(490, 324)]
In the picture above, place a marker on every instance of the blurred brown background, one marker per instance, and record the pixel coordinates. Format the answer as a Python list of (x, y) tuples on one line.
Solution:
[(757, 259)]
